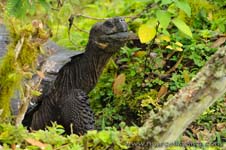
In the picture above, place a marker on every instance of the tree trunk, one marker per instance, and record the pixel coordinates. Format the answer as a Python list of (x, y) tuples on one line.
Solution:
[(164, 127)]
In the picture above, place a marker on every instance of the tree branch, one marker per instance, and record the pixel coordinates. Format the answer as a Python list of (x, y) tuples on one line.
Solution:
[(89, 17)]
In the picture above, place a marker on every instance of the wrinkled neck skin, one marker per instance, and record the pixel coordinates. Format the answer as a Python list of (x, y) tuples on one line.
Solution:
[(83, 71)]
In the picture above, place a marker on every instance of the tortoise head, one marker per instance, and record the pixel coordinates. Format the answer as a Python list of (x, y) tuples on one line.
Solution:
[(111, 34)]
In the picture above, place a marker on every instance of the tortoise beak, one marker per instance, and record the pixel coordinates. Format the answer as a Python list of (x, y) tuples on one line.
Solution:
[(121, 36)]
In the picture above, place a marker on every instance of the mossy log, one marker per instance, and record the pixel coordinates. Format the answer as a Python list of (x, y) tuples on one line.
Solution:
[(164, 127)]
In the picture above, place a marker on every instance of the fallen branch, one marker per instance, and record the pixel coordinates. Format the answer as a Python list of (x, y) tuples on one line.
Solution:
[(189, 103)]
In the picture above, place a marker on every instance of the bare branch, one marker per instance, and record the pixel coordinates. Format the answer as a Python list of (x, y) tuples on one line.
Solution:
[(89, 17), (24, 105), (175, 66), (79, 29)]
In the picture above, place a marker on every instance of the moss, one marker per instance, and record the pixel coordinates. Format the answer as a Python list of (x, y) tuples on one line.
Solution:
[(9, 80), (27, 55), (12, 68)]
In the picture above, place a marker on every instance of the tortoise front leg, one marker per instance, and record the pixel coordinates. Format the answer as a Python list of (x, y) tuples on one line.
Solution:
[(76, 115)]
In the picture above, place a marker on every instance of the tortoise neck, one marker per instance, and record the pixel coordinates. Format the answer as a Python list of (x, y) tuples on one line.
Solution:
[(82, 72), (96, 59)]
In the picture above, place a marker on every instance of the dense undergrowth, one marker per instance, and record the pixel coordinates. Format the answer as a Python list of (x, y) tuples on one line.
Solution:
[(141, 77)]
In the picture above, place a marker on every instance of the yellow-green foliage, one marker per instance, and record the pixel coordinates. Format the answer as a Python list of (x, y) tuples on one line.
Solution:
[(9, 80), (14, 69), (196, 7), (53, 138)]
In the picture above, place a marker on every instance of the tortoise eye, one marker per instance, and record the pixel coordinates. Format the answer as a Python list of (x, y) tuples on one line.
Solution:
[(121, 20), (109, 24)]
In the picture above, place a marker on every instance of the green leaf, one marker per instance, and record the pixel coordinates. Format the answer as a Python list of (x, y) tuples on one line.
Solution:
[(91, 134), (183, 5), (172, 9), (104, 136), (181, 25), (164, 18), (44, 4), (146, 33), (166, 2), (152, 22), (30, 8)]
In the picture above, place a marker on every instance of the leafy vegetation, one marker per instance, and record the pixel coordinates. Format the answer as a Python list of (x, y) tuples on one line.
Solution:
[(176, 39), (53, 139)]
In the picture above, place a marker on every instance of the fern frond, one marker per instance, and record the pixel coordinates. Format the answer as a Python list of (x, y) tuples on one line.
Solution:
[(17, 8)]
